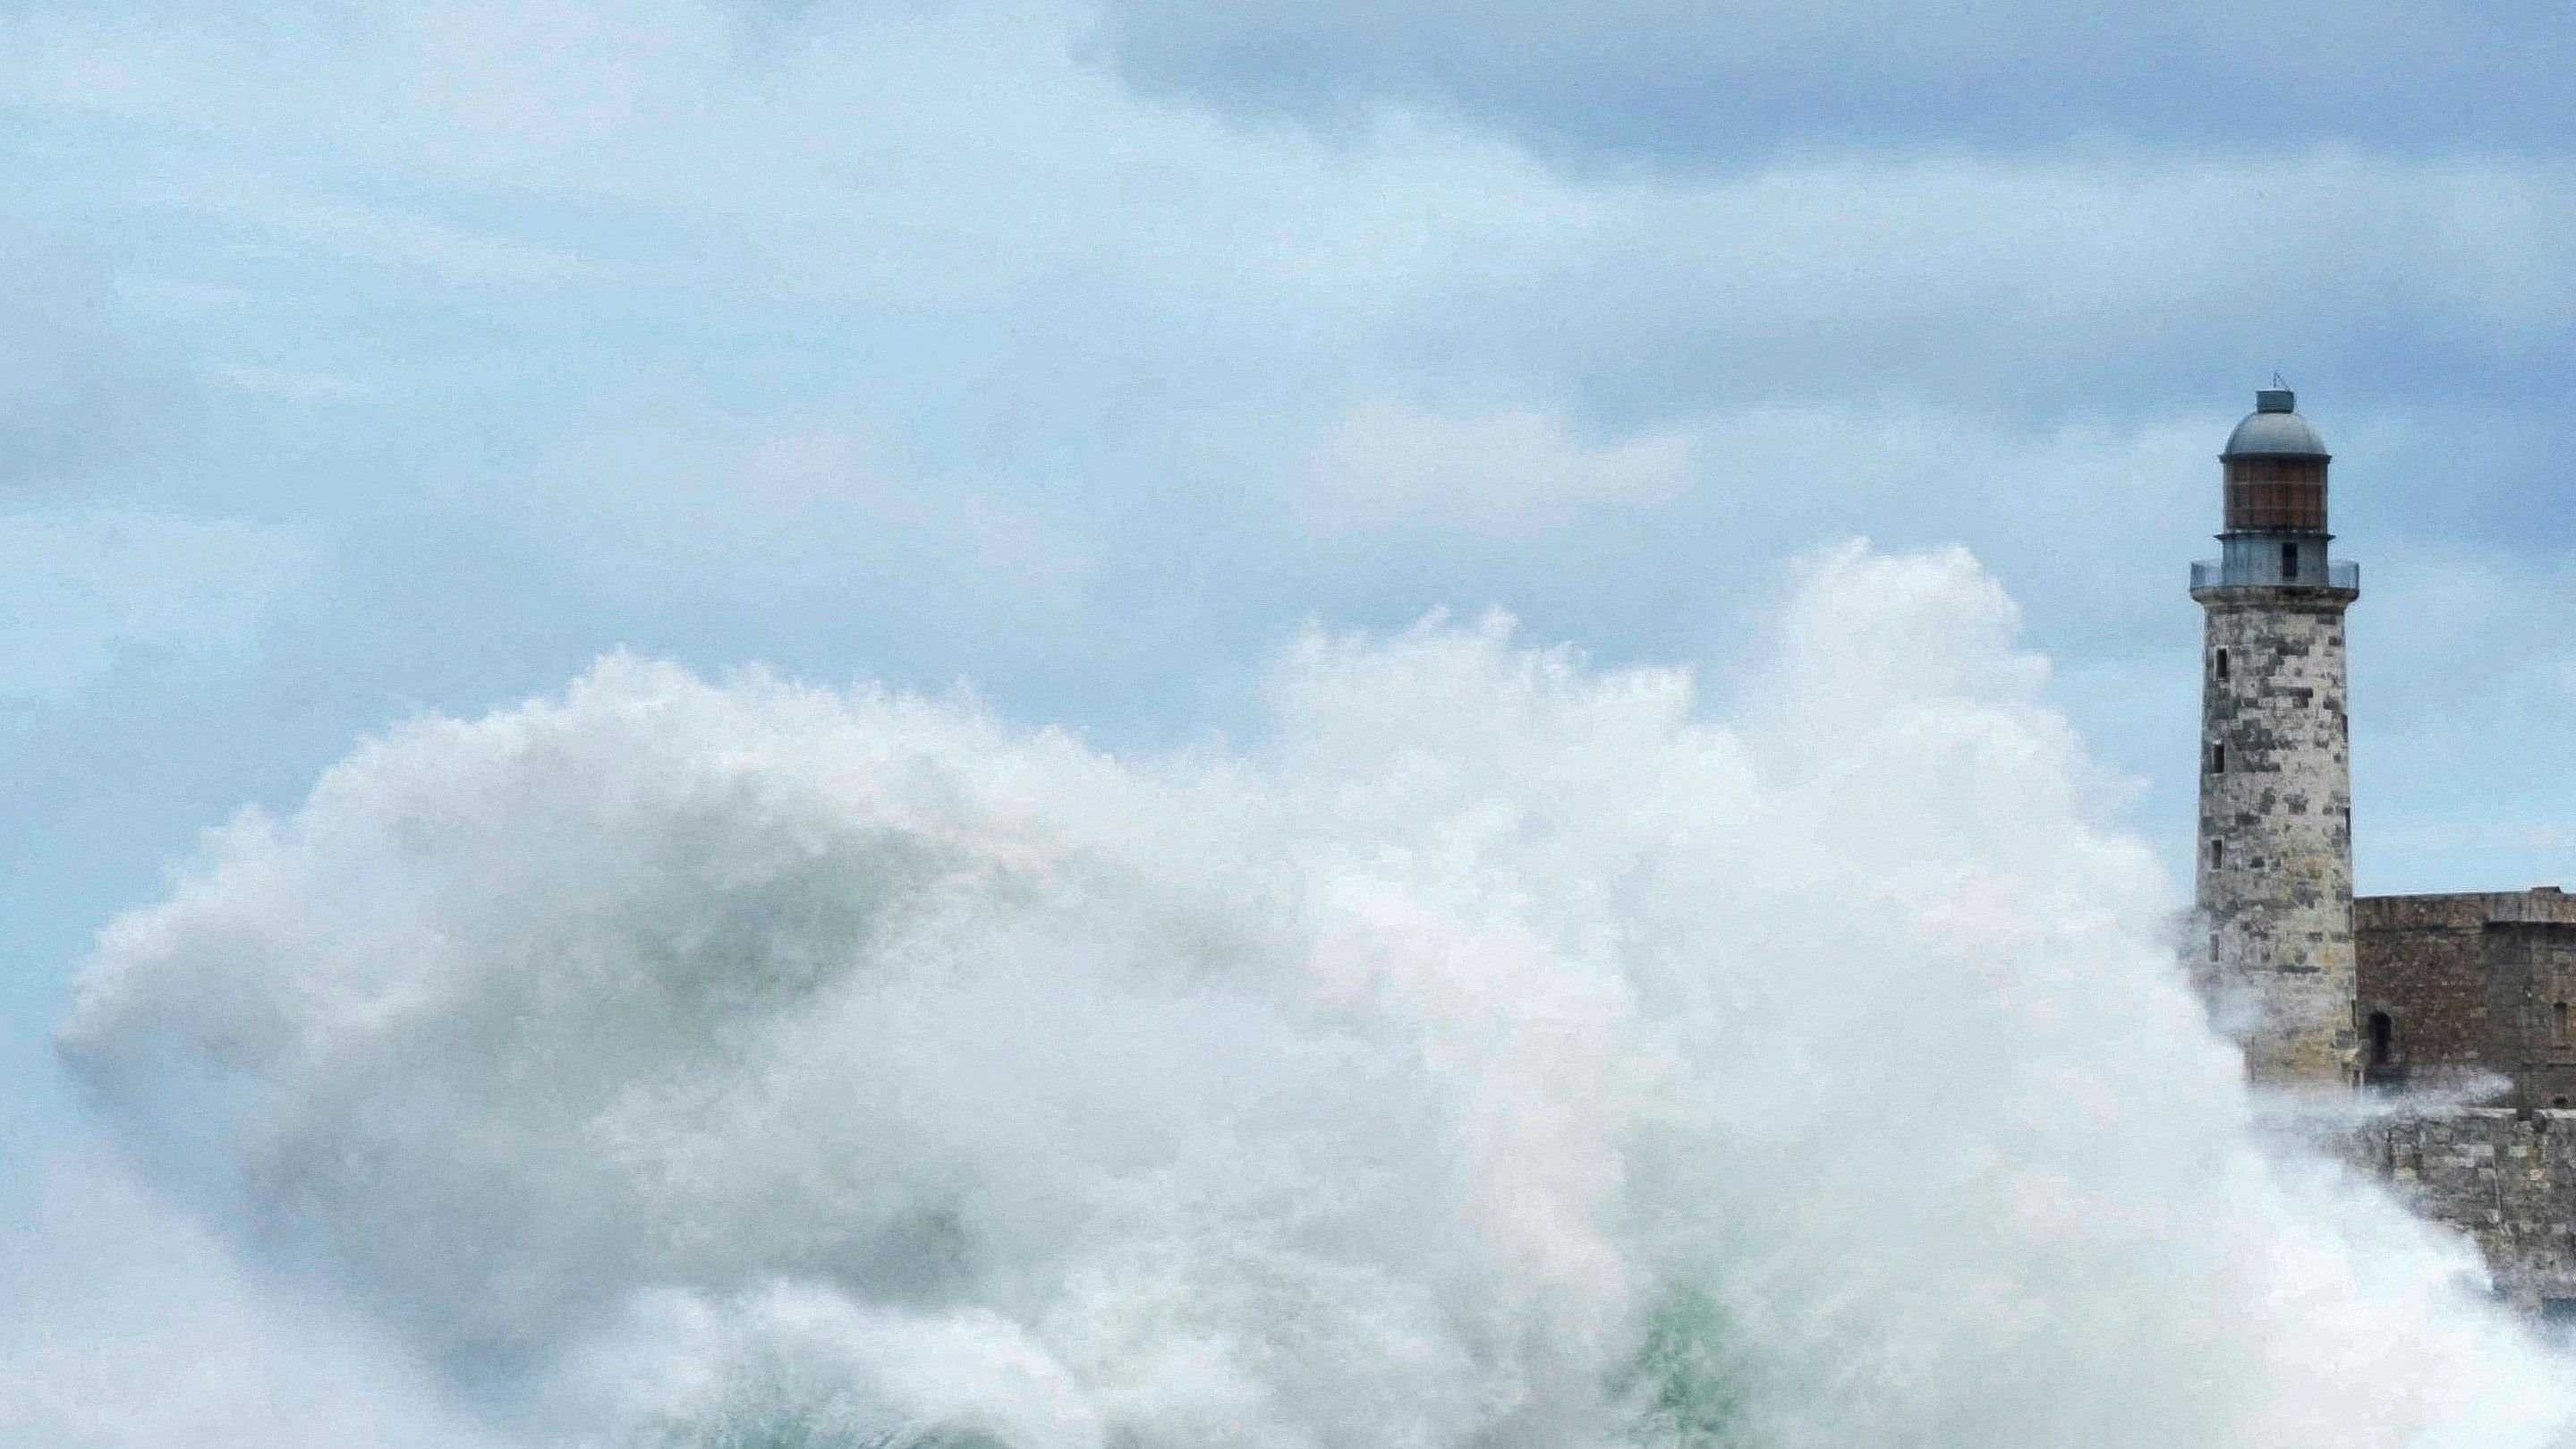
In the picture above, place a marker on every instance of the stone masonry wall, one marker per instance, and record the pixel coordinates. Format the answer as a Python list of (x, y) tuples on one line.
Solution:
[(2531, 1008), (2473, 985), (2506, 1178), (2421, 960), (2275, 899)]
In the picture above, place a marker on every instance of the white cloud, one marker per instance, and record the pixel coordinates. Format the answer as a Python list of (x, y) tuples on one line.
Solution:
[(1391, 463)]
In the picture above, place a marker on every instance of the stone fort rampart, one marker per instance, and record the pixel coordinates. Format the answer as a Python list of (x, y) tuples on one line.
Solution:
[(2505, 1177), (2479, 986)]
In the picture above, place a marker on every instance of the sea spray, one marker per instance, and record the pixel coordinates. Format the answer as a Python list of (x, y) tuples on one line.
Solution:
[(1497, 1053)]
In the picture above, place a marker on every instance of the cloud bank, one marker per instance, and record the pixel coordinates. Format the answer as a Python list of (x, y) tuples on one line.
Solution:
[(1695, 84)]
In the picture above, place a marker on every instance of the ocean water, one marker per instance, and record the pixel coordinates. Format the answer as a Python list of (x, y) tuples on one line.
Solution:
[(1496, 1052)]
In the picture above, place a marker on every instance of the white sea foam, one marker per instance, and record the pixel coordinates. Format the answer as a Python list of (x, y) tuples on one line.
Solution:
[(1499, 1053)]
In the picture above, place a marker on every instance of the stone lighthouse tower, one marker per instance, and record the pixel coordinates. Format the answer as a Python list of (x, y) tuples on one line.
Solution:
[(2275, 877)]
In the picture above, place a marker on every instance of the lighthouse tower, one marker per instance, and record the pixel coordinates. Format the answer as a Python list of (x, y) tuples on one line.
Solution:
[(2274, 885)]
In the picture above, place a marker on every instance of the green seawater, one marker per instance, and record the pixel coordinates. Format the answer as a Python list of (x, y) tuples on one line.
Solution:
[(1686, 1381), (1683, 1389), (806, 1429)]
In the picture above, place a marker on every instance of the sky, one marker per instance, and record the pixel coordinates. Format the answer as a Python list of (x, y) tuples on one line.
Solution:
[(361, 362)]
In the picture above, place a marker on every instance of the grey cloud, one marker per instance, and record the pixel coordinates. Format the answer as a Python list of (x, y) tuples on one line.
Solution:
[(2082, 283), (1691, 81), (73, 389)]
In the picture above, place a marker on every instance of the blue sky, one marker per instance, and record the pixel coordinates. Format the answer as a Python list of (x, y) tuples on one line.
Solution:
[(360, 362)]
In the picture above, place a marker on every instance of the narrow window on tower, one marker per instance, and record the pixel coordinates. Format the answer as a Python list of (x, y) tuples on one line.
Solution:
[(2289, 561), (2218, 759), (2218, 665), (2217, 854), (2558, 1025)]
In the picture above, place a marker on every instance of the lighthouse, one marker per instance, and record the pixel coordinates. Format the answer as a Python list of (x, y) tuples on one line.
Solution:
[(2274, 883)]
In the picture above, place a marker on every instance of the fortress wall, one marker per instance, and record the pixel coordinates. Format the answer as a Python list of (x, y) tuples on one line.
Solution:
[(2473, 983), (2506, 1178), (2418, 959)]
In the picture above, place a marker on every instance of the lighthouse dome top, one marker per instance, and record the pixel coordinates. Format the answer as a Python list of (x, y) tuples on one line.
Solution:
[(2275, 430)]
